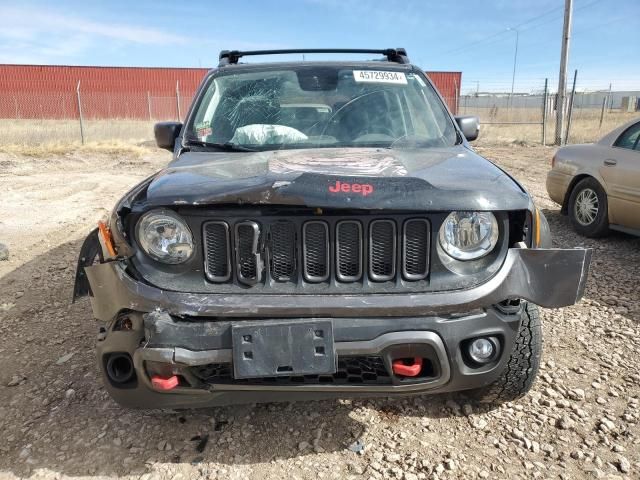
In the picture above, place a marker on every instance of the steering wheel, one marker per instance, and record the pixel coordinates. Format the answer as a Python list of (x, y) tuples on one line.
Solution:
[(349, 104)]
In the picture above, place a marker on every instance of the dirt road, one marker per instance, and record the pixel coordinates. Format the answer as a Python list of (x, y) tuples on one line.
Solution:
[(581, 420)]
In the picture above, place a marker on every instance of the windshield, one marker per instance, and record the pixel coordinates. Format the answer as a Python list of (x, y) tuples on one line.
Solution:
[(320, 106)]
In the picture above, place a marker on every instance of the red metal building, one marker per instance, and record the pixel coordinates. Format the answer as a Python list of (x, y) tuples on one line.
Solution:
[(52, 92), (448, 83), (47, 91)]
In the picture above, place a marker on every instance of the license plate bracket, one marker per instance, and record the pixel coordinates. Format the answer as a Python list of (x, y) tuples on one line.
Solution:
[(278, 349)]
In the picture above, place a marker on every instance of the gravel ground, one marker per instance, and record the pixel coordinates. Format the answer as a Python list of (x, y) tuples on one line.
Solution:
[(581, 420)]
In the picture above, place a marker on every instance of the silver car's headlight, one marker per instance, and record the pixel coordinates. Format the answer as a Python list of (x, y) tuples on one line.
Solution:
[(469, 235), (165, 237)]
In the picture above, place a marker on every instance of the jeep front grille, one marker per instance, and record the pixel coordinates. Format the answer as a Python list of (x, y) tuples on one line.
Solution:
[(304, 250)]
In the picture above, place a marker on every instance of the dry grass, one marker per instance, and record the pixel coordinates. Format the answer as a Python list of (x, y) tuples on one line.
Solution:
[(39, 138), (113, 147), (44, 131), (585, 126)]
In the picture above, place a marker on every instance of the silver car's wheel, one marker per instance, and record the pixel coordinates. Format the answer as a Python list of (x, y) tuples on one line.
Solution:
[(586, 207)]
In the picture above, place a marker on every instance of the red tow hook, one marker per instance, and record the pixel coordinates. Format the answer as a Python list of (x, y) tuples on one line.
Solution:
[(404, 368), (160, 383)]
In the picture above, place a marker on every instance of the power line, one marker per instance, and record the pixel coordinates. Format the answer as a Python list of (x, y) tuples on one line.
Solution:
[(526, 22), (578, 32), (501, 32), (558, 18)]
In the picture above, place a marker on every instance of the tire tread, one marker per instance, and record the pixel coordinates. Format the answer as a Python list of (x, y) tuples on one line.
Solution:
[(522, 368)]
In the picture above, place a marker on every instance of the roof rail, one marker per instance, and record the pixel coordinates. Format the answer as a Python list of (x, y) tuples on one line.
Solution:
[(231, 57)]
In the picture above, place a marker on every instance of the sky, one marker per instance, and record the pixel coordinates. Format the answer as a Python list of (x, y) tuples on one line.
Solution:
[(475, 37)]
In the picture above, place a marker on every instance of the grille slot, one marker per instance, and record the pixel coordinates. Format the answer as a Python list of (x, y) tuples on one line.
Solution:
[(217, 264), (247, 255), (283, 251), (315, 248), (382, 250), (415, 249), (349, 251)]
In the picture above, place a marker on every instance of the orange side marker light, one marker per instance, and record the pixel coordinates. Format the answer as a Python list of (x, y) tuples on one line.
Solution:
[(107, 238)]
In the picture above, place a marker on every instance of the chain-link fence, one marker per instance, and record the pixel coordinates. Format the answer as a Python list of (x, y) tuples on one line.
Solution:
[(531, 118), (510, 117), (74, 114)]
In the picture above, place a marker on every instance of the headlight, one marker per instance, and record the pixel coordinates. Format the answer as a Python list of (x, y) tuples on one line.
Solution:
[(165, 237), (469, 235)]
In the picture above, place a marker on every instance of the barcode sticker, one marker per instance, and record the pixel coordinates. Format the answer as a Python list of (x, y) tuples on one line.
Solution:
[(379, 76)]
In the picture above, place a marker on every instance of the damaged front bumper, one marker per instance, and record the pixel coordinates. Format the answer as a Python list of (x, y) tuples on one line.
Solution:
[(200, 354), (547, 277), (189, 336)]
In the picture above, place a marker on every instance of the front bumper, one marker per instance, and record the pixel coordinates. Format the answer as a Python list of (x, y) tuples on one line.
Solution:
[(183, 330), (547, 277), (557, 185), (182, 346)]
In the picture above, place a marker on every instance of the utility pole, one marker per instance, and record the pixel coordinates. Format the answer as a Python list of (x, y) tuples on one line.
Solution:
[(562, 81), (80, 116), (515, 59), (544, 112)]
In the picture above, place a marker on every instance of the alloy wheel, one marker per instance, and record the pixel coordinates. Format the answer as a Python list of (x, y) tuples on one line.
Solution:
[(586, 207)]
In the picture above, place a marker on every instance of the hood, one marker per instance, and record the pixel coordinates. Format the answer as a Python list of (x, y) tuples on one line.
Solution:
[(367, 178)]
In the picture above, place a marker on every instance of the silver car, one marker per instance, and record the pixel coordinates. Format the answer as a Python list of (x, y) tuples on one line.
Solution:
[(598, 184)]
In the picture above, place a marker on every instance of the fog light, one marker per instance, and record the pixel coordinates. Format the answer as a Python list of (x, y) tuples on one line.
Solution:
[(483, 350)]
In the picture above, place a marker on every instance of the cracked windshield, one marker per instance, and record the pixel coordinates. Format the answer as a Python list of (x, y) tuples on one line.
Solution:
[(311, 107)]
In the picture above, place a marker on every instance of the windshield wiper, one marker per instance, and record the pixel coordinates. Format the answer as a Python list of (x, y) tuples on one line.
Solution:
[(227, 147)]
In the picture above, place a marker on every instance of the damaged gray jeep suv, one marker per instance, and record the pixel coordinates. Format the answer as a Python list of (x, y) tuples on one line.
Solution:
[(324, 230)]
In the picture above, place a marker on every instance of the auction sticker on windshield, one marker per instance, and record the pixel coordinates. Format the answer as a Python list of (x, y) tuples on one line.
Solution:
[(378, 76)]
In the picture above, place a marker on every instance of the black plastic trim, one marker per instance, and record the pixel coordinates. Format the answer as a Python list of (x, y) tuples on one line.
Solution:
[(214, 278), (360, 243), (405, 273), (394, 249), (327, 255)]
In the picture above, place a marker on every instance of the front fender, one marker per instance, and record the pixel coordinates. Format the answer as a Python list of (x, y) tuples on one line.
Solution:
[(88, 252)]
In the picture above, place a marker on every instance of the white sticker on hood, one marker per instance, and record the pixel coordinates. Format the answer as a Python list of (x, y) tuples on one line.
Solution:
[(379, 76)]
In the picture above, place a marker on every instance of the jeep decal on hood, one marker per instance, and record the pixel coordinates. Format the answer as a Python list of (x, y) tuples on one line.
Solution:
[(363, 189)]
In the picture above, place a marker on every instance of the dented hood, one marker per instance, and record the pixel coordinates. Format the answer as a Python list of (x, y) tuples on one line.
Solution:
[(368, 178)]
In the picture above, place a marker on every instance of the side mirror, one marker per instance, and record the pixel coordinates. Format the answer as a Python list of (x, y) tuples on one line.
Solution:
[(470, 127), (166, 134)]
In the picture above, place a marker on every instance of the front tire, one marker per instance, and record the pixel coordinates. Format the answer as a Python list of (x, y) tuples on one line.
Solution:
[(588, 208), (522, 368)]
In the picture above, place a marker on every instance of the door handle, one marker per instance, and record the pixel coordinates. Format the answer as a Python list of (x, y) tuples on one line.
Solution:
[(610, 162)]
